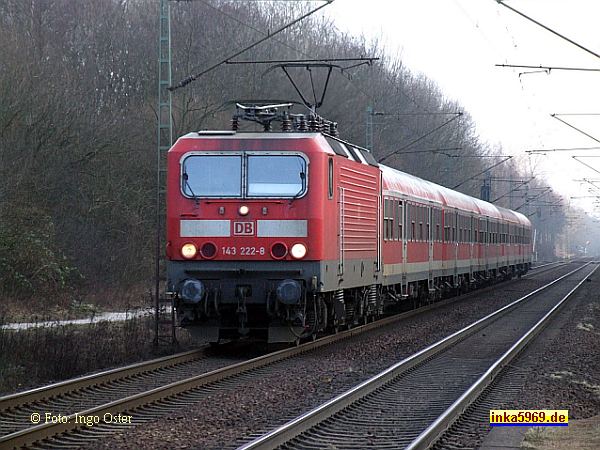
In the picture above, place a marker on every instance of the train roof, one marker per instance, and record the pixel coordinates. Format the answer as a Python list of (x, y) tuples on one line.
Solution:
[(394, 180), (210, 134), (404, 183)]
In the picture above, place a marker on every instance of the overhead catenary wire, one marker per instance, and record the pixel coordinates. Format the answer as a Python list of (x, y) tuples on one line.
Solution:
[(548, 68), (192, 78), (505, 158), (347, 76), (281, 61), (528, 201), (567, 149), (410, 144), (575, 128), (519, 185), (576, 158), (556, 33), (343, 72)]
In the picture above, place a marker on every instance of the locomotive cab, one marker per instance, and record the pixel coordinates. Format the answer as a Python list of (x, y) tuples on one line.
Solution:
[(241, 206)]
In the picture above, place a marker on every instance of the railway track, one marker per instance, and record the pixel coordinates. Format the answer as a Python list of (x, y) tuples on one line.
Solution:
[(151, 388), (413, 402)]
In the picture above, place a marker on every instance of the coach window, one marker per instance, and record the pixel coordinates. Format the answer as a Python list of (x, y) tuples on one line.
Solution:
[(393, 215), (428, 226), (454, 227), (386, 219), (394, 226), (471, 230), (446, 227), (397, 218)]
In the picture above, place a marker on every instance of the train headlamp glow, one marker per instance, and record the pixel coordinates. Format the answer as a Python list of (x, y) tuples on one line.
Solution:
[(298, 251), (244, 210), (188, 251)]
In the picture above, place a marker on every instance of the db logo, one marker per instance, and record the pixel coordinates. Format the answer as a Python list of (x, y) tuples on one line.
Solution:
[(243, 228)]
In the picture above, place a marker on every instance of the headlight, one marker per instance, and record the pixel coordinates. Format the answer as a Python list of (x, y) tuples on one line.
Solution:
[(298, 251), (188, 251), (244, 210), (278, 250)]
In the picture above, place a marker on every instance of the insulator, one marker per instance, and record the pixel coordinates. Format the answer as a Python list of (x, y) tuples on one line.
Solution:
[(320, 124), (313, 124), (235, 123), (333, 130), (286, 124), (303, 126)]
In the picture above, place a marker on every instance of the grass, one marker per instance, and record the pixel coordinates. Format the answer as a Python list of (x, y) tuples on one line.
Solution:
[(43, 355), (74, 305), (581, 434)]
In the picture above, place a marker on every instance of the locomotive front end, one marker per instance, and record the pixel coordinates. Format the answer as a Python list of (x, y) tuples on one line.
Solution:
[(240, 216)]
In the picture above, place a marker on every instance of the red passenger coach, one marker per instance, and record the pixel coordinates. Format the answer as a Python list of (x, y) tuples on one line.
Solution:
[(285, 234)]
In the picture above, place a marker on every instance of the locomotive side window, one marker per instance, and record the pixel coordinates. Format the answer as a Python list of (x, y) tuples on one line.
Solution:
[(330, 179), (212, 176), (276, 176)]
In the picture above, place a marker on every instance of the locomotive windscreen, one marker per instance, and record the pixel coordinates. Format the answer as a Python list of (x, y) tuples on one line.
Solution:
[(243, 175), (275, 176), (212, 176)]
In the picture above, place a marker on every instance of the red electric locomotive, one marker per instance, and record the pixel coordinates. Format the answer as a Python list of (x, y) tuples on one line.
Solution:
[(284, 234)]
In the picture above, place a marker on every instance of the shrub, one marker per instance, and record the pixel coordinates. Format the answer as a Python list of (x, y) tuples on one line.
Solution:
[(31, 264)]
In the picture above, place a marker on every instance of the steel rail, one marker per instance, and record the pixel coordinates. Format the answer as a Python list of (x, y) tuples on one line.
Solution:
[(75, 384), (547, 264), (432, 433), (37, 433), (293, 428), (63, 387), (31, 435)]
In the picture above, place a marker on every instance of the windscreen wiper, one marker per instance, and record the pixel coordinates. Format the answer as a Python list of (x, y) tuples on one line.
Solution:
[(302, 189), (188, 186)]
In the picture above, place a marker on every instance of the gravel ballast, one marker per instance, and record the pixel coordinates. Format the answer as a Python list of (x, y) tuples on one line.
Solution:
[(275, 394)]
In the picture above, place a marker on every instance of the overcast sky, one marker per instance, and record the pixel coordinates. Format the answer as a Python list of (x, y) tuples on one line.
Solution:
[(457, 43)]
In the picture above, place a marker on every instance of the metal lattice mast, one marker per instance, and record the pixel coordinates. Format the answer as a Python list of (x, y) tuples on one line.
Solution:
[(164, 320)]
